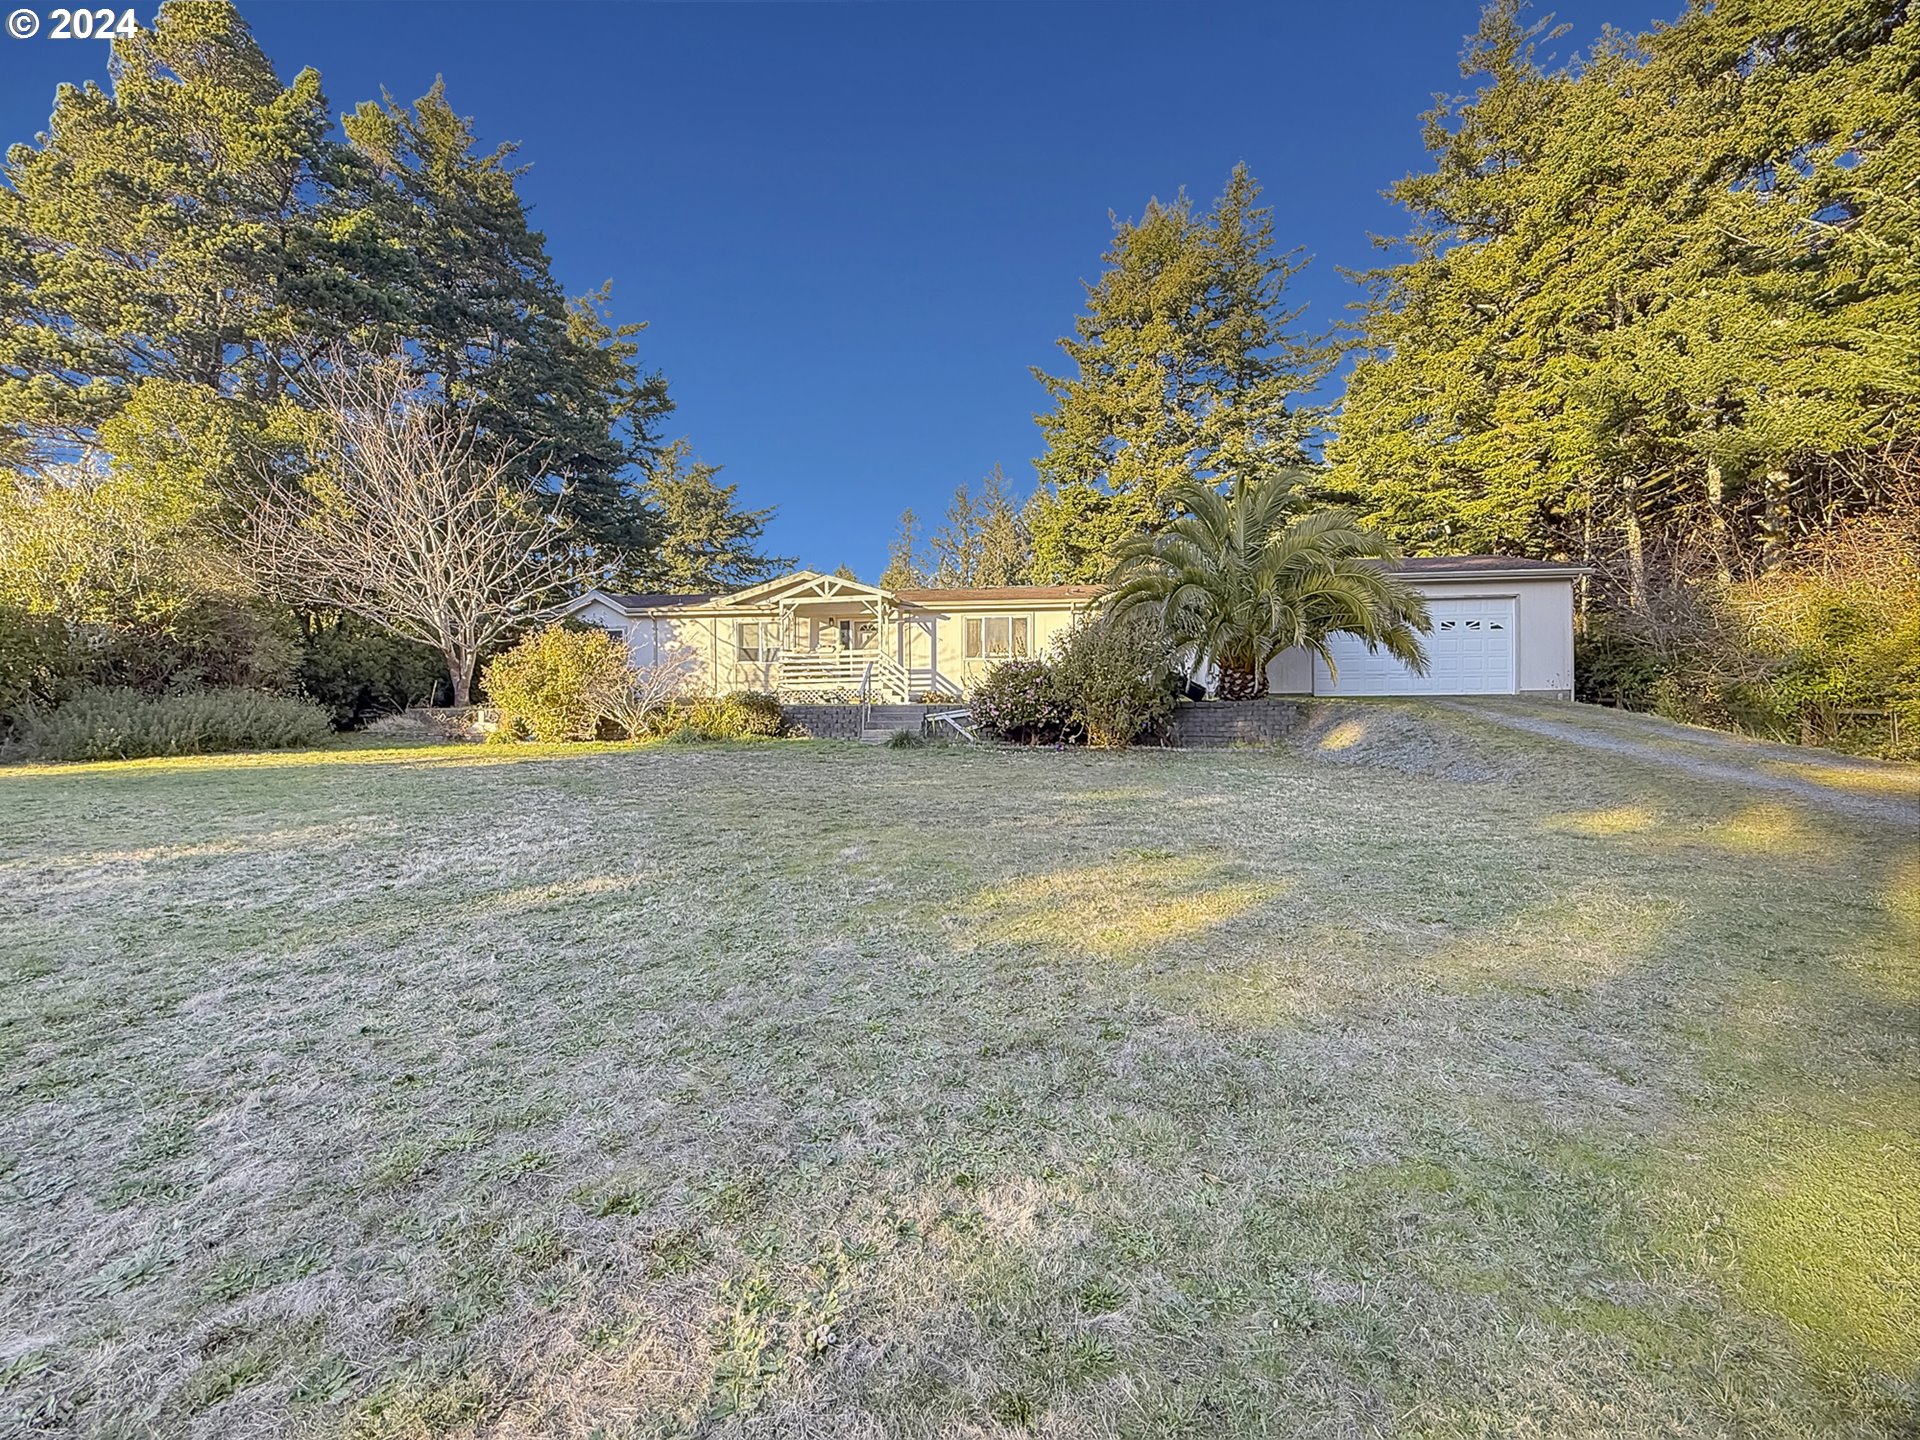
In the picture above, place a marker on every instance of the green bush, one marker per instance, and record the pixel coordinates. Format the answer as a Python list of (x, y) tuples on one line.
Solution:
[(1827, 656), (101, 723), (212, 645), (1115, 676), (748, 714), (1020, 701), (553, 685), (1612, 665), (359, 672), (41, 663), (742, 715)]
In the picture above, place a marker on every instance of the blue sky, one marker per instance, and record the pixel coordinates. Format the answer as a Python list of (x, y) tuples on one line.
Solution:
[(853, 227)]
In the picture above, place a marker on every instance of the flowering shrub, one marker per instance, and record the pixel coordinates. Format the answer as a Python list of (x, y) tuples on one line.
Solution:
[(1019, 700)]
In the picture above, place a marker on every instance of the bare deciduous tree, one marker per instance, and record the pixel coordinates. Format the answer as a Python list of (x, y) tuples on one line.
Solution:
[(634, 697), (408, 519)]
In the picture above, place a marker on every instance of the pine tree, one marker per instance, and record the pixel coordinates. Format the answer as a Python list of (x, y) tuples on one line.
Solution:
[(955, 548), (550, 374), (1657, 303), (181, 245), (1006, 547), (1188, 364)]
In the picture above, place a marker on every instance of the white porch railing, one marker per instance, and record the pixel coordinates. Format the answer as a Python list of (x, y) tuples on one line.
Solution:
[(842, 675)]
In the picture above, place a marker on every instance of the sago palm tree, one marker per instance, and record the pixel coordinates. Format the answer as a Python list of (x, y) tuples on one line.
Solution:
[(1240, 576)]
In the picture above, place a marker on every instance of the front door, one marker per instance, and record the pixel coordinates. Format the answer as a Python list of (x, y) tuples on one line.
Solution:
[(861, 635)]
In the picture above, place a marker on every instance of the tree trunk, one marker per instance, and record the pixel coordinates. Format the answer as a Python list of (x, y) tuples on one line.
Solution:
[(1240, 681), (1636, 546), (1717, 521), (460, 676), (1776, 518)]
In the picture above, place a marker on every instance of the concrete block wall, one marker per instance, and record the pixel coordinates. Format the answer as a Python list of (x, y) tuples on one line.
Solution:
[(824, 722), (1212, 724)]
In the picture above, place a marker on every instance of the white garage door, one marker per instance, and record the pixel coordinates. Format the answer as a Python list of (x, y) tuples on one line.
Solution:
[(1470, 651)]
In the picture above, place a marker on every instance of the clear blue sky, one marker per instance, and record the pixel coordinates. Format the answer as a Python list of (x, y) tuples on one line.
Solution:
[(853, 227)]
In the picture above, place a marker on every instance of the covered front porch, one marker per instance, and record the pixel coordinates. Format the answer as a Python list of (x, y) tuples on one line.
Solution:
[(824, 639)]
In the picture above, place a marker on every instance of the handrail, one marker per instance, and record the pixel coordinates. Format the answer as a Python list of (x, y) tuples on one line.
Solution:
[(952, 717), (866, 696)]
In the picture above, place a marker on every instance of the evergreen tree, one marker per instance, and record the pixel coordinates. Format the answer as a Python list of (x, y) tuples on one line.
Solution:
[(1006, 547), (175, 251), (708, 542), (1186, 365), (955, 548), (547, 375), (905, 568), (1656, 303)]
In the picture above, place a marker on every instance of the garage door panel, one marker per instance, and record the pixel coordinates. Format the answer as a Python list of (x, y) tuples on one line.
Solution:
[(1470, 651)]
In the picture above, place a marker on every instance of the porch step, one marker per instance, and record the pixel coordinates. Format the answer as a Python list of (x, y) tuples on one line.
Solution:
[(880, 736)]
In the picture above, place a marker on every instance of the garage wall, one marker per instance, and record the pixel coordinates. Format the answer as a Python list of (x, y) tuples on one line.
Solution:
[(1543, 643)]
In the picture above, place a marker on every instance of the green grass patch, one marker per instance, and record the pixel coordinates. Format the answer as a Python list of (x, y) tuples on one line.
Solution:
[(1426, 1080)]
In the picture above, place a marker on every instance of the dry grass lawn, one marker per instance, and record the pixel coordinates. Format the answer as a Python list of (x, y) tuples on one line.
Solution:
[(1424, 1081)]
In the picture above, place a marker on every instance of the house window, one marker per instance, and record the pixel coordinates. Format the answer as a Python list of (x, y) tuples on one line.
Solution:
[(997, 637), (615, 632), (755, 640)]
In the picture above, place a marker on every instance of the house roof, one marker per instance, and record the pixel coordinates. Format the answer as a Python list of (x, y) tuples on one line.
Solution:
[(653, 601), (1469, 566), (815, 585), (1003, 592)]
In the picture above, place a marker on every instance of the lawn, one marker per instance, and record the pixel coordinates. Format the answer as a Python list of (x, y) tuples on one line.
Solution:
[(1421, 1081)]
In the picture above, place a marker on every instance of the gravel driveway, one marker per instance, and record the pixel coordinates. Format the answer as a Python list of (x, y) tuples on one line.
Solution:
[(1863, 789)]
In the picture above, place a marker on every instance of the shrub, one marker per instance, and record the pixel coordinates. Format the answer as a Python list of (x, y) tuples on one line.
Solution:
[(741, 715), (1115, 675), (749, 714), (211, 645), (359, 673), (40, 662), (554, 684), (102, 723), (1020, 701)]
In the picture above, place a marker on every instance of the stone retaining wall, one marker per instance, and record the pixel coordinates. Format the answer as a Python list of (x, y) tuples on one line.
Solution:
[(824, 722), (1212, 724)]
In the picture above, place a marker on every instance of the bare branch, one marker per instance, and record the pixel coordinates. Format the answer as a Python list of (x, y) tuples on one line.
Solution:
[(406, 518)]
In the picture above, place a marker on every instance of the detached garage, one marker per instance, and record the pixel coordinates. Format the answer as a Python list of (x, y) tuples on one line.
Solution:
[(1501, 626)]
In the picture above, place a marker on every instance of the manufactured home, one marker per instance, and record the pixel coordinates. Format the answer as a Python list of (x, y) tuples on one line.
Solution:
[(1500, 626)]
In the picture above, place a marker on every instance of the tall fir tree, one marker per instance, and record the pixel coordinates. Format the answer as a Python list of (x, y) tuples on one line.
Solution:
[(548, 375), (1187, 364), (954, 548), (175, 252), (1006, 547), (1655, 304), (707, 541), (906, 569), (983, 540)]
